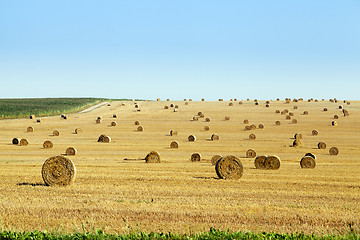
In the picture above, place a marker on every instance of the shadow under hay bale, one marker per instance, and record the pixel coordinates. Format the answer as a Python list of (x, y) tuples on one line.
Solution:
[(272, 162), (334, 151), (153, 157), (215, 159), (48, 144), (174, 144), (259, 162), (250, 153), (115, 115), (71, 151), (58, 171), (229, 167), (334, 123)]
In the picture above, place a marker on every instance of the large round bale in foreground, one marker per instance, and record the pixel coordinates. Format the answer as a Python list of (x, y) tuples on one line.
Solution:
[(334, 151), (321, 145), (152, 157), (259, 162), (215, 137), (307, 162), (195, 157), (191, 138), (58, 171), (314, 132), (48, 144), (272, 162), (30, 129), (250, 153), (78, 130), (215, 159), (229, 167), (174, 144), (24, 142), (71, 151), (173, 133), (56, 133), (15, 141)]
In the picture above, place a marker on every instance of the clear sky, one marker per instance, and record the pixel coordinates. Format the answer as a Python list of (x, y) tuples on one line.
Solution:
[(180, 49)]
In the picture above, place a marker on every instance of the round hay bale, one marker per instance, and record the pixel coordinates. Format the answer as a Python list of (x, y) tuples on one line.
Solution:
[(272, 162), (101, 138), (153, 157), (283, 113), (168, 100), (113, 124), (171, 105), (231, 104), (336, 116), (288, 117), (48, 144), (98, 121), (215, 159), (278, 99), (250, 153), (174, 144), (256, 103), (207, 119), (78, 130), (186, 103), (30, 129), (252, 127), (295, 107), (298, 136), (307, 162), (259, 162), (15, 141), (334, 151), (227, 118), (215, 137), (348, 103), (277, 111), (240, 102), (158, 99), (206, 128), (201, 115), (325, 109), (267, 102), (195, 157), (291, 114), (321, 145), (340, 107), (277, 123), (267, 105), (334, 123), (173, 133), (252, 136), (195, 118), (345, 112), (56, 133), (190, 100), (38, 120), (294, 121), (32, 117), (137, 123), (297, 143), (191, 138), (314, 132), (140, 129), (106, 139), (305, 113), (286, 111), (220, 99), (176, 106), (202, 99), (246, 121), (261, 126), (247, 128), (71, 151), (166, 107), (184, 99), (24, 142), (115, 115), (58, 171), (229, 167), (235, 99), (310, 155)]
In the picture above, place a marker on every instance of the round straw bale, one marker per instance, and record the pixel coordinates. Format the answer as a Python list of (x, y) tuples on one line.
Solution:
[(48, 144), (298, 136), (277, 111), (247, 99), (231, 100), (310, 155), (229, 167), (173, 133), (345, 112), (220, 99), (58, 171), (186, 103), (246, 121), (295, 107), (267, 105), (261, 126), (231, 104), (247, 128), (171, 105), (78, 130), (113, 124), (250, 153), (334, 151), (252, 136), (267, 102), (291, 113), (288, 117), (325, 109), (207, 119), (38, 120), (184, 99), (167, 99), (71, 151), (174, 144), (215, 159), (195, 157), (278, 99), (294, 120), (15, 141), (115, 115), (297, 143), (98, 121), (140, 129), (137, 123), (101, 138), (158, 99), (32, 116), (314, 132), (106, 139), (201, 115), (334, 123), (30, 129), (307, 162), (152, 157), (191, 138), (166, 107), (252, 127), (56, 133), (176, 106), (259, 162), (206, 128), (235, 99), (282, 113), (340, 107), (202, 99), (286, 111), (277, 123), (215, 137), (195, 118), (321, 145), (336, 116), (256, 103), (348, 103), (240, 102), (24, 142), (227, 118), (272, 162), (190, 100)]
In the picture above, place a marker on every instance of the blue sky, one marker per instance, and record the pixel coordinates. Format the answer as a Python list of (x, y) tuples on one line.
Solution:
[(180, 49)]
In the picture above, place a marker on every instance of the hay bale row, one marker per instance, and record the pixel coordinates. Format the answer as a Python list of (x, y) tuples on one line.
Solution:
[(267, 162), (103, 138)]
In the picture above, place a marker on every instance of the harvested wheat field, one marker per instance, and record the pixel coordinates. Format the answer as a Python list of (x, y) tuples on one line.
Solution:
[(178, 195)]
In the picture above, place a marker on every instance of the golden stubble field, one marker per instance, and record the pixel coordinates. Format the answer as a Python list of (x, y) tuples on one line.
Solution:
[(178, 195)]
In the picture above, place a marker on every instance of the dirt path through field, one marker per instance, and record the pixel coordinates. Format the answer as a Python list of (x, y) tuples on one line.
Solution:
[(94, 107)]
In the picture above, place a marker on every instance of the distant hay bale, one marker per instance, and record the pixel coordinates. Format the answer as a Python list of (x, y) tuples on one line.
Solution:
[(294, 121), (231, 100), (334, 151), (297, 143), (246, 121), (256, 103), (153, 157), (298, 136), (215, 137), (295, 107), (247, 128), (250, 153), (314, 132), (137, 123), (336, 116), (321, 145), (78, 130), (206, 128), (113, 124), (307, 162), (106, 139), (267, 105), (252, 127), (195, 157), (71, 151), (48, 144), (277, 111), (166, 107), (227, 118), (229, 167), (173, 133), (286, 111), (38, 120), (15, 141), (288, 117), (220, 99), (278, 99), (191, 138), (171, 105), (340, 107), (186, 103), (259, 162), (201, 115), (345, 112), (261, 126), (115, 115), (32, 117), (316, 100), (167, 99), (158, 99), (235, 99), (334, 123), (190, 100), (291, 113), (184, 99), (272, 162), (252, 136), (267, 102), (247, 99), (207, 119), (231, 104), (240, 102), (348, 103), (101, 138), (325, 109), (58, 171), (30, 129), (195, 118), (56, 133), (311, 155), (215, 159), (176, 106), (282, 113), (277, 123), (202, 99), (140, 129), (174, 144), (98, 121), (24, 142)]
